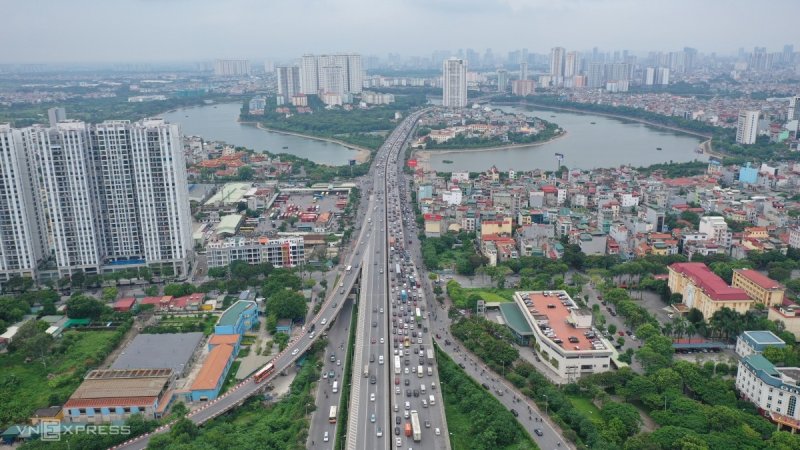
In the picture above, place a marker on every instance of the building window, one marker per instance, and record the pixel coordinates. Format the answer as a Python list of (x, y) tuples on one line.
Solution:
[(792, 405)]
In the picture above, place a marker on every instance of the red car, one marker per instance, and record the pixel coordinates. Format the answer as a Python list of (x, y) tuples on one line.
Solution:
[(373, 340), (621, 333), (397, 380)]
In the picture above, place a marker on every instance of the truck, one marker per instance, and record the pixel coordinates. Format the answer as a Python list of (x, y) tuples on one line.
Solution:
[(396, 364), (430, 356), (415, 428), (408, 429), (366, 370), (404, 295)]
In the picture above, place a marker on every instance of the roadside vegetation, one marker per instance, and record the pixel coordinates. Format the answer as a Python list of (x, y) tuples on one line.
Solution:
[(475, 419)]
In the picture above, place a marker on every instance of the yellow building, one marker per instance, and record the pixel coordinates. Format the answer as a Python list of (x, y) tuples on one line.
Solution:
[(502, 226), (703, 289), (759, 287)]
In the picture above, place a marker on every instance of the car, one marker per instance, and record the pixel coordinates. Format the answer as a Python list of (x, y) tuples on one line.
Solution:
[(408, 392), (427, 424), (397, 389), (538, 432), (397, 430), (397, 420), (372, 418), (324, 375), (406, 371), (407, 382), (628, 332), (374, 323), (379, 432), (416, 392), (338, 362), (621, 333), (373, 379), (373, 340), (372, 358), (406, 414), (437, 431), (381, 310), (398, 442), (514, 412), (408, 405), (397, 381), (372, 396), (325, 437), (331, 374), (323, 321), (295, 351), (382, 341)]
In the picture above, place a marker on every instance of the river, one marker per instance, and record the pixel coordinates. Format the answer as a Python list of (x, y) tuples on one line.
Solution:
[(591, 141), (220, 123)]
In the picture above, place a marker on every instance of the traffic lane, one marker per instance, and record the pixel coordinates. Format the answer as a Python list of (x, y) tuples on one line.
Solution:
[(479, 372), (324, 397)]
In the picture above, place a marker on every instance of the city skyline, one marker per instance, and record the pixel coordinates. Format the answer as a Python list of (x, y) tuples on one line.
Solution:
[(55, 32)]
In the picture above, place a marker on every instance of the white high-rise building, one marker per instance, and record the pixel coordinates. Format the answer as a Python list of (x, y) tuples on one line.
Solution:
[(288, 81), (162, 194), (231, 67), (523, 71), (502, 80), (66, 168), (454, 83), (716, 229), (112, 195), (794, 108), (662, 76), (649, 76), (22, 241), (557, 62), (309, 78), (339, 73), (571, 65), (747, 127)]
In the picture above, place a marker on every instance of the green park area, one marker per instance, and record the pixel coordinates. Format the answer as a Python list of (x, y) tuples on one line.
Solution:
[(184, 324), (47, 375)]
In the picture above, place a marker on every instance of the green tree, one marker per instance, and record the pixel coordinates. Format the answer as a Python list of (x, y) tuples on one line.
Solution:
[(84, 307), (110, 294), (287, 304)]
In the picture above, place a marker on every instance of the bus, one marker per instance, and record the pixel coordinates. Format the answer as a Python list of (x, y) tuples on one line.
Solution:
[(419, 314), (396, 365), (415, 428), (397, 269), (332, 415), (264, 372)]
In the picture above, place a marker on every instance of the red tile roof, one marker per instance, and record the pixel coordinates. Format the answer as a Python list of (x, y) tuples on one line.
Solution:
[(110, 402), (714, 286), (124, 304), (759, 278), (218, 339)]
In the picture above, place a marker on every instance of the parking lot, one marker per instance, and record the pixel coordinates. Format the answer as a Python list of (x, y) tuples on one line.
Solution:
[(291, 204)]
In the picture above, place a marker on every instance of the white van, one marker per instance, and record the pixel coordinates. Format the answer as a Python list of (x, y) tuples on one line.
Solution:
[(422, 388), (431, 400), (336, 387), (430, 373)]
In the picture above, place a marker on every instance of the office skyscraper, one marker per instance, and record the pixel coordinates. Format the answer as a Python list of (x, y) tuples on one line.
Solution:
[(794, 108), (115, 195), (338, 74), (22, 239), (596, 76), (288, 81), (747, 127), (523, 71), (56, 115), (557, 62), (454, 83)]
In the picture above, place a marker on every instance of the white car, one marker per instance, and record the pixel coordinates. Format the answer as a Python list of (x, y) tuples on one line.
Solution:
[(372, 397), (325, 437), (398, 442), (408, 405), (397, 389), (295, 351), (380, 432), (324, 321), (437, 431), (382, 341), (406, 371)]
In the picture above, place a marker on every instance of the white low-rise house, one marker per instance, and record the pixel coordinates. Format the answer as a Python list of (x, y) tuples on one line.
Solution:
[(280, 252)]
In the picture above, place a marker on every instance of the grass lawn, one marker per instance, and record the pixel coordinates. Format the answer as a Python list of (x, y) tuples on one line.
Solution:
[(27, 386), (492, 295), (586, 406)]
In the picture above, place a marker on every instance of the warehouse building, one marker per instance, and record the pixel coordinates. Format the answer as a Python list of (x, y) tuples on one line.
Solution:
[(155, 351)]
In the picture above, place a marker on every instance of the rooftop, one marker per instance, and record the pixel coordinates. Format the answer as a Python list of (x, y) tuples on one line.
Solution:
[(758, 278), (763, 338), (231, 315), (213, 368), (110, 383), (559, 319), (152, 351), (714, 286)]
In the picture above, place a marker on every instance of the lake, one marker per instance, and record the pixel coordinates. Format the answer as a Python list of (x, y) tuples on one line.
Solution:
[(220, 123), (592, 141)]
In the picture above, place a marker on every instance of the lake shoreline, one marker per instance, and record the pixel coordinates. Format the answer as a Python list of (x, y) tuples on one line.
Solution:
[(363, 154), (427, 153)]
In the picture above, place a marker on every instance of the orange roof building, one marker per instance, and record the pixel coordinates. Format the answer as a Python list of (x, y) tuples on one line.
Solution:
[(212, 374)]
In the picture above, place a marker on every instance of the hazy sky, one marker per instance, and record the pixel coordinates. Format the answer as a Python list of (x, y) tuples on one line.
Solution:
[(41, 31)]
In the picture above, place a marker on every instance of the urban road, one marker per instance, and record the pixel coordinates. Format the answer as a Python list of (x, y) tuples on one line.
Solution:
[(371, 250)]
